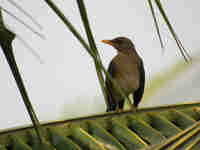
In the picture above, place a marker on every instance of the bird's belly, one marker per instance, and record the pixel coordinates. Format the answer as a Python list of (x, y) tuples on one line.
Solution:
[(128, 83), (127, 75)]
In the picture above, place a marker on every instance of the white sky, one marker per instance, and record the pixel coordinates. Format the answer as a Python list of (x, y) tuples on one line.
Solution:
[(66, 83)]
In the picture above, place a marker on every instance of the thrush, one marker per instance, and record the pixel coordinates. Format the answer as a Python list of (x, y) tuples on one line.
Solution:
[(128, 70)]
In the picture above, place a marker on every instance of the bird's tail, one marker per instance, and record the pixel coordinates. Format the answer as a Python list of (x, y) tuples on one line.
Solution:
[(138, 96), (111, 105)]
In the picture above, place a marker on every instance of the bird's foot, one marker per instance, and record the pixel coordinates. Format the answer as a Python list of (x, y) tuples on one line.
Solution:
[(110, 108), (119, 110)]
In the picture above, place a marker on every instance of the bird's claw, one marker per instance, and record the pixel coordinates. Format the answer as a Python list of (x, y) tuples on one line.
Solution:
[(119, 110)]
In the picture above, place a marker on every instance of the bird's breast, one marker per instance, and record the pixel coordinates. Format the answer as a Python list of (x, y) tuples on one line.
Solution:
[(127, 73)]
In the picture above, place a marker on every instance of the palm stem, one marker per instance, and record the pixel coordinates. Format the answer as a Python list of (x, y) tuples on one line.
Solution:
[(91, 40), (85, 45), (25, 13), (156, 23), (6, 38), (178, 42)]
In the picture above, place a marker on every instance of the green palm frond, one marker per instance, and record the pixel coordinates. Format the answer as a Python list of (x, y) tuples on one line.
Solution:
[(156, 23), (93, 46), (6, 38), (22, 22), (25, 13), (92, 53), (183, 51)]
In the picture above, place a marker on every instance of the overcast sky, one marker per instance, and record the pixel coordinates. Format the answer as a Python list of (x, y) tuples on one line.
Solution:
[(67, 83)]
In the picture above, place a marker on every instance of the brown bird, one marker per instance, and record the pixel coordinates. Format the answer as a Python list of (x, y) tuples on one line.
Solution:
[(128, 70)]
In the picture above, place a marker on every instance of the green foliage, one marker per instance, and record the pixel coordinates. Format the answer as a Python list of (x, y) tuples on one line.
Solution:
[(6, 38), (183, 51), (93, 53)]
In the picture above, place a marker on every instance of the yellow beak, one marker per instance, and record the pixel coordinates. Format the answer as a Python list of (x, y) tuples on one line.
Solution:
[(107, 42)]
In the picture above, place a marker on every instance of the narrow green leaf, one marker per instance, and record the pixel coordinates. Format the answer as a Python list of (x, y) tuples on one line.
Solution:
[(36, 144), (85, 45), (25, 13), (93, 46), (156, 23), (18, 144), (31, 50), (60, 142), (85, 20), (22, 22), (70, 26), (6, 38), (178, 42)]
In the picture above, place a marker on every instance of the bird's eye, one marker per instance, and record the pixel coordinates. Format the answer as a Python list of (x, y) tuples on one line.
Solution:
[(119, 41)]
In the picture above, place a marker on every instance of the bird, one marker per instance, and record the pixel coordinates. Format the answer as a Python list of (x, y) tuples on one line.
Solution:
[(127, 69)]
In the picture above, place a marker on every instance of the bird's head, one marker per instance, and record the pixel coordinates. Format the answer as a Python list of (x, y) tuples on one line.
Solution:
[(122, 44)]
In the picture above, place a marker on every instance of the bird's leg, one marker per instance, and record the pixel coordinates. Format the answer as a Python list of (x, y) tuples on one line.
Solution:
[(111, 107), (118, 109), (133, 108), (120, 106)]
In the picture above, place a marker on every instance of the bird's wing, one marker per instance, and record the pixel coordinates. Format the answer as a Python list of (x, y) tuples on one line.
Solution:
[(137, 95), (112, 71)]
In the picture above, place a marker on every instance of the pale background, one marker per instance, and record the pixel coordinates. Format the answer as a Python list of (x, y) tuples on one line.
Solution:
[(66, 84)]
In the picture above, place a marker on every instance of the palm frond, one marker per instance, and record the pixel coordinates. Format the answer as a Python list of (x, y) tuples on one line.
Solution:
[(22, 22), (6, 38), (33, 52), (183, 51), (93, 46), (25, 13), (156, 23), (85, 45)]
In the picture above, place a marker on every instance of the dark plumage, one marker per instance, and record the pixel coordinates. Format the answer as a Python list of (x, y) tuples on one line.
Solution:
[(128, 70)]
